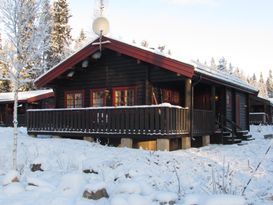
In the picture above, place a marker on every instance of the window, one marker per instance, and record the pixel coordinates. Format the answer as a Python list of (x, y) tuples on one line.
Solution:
[(124, 96), (98, 98), (74, 99), (171, 96)]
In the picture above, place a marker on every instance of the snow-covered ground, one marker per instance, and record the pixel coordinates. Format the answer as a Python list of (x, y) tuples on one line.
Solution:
[(210, 175)]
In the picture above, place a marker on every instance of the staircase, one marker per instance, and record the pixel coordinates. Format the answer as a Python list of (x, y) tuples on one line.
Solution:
[(230, 135)]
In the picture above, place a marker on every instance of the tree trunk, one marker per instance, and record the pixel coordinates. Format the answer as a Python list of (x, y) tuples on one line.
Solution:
[(15, 124)]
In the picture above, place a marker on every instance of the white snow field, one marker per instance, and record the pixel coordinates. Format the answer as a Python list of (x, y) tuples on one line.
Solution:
[(211, 175)]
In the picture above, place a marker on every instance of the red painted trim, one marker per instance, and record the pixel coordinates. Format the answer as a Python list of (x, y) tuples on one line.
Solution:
[(123, 48), (74, 92), (121, 89), (66, 65), (91, 95), (150, 57), (40, 97)]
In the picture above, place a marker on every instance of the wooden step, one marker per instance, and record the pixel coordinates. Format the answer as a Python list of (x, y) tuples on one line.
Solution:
[(247, 137), (219, 132), (243, 132), (234, 141)]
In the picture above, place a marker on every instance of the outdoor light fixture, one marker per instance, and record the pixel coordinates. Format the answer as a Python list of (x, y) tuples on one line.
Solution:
[(71, 73), (96, 55), (85, 64)]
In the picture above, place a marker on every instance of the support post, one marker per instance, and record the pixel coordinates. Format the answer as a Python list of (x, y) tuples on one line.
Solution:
[(88, 138), (205, 140), (126, 142), (186, 140), (163, 144)]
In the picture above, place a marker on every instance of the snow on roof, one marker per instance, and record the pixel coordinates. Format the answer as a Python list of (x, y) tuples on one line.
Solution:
[(206, 70), (22, 96), (150, 49), (78, 50), (271, 100), (222, 75)]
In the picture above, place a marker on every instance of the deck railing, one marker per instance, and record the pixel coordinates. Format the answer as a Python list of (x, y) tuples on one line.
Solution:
[(256, 118), (21, 118), (203, 122), (132, 120)]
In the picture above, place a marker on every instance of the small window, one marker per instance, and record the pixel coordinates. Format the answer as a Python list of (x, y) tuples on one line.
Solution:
[(171, 96), (98, 98), (74, 99), (124, 96)]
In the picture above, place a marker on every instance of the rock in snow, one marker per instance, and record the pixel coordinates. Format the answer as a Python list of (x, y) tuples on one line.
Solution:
[(95, 191), (166, 197)]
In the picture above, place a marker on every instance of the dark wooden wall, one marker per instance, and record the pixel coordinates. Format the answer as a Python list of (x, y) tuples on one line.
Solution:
[(229, 105), (242, 112), (114, 70), (202, 96)]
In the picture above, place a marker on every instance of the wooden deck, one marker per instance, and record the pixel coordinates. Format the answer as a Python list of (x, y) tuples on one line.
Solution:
[(134, 121)]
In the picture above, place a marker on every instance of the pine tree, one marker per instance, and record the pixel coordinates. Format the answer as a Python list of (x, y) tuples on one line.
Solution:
[(230, 68), (269, 84), (222, 64), (253, 80), (80, 42), (45, 28), (61, 32), (262, 87), (213, 64)]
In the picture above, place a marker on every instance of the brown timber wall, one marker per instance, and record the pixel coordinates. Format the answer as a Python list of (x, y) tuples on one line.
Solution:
[(112, 70)]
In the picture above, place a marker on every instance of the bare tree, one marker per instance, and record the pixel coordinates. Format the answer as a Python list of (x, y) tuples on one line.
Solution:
[(20, 52)]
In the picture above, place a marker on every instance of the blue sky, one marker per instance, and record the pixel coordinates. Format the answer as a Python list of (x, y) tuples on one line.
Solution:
[(239, 30)]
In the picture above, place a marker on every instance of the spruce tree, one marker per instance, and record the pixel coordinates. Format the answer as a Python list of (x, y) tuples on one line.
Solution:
[(80, 42), (45, 28), (213, 64), (222, 64), (269, 84), (262, 87), (61, 32)]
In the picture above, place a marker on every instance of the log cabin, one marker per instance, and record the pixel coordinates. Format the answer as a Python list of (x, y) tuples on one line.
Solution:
[(261, 111), (35, 99), (127, 95)]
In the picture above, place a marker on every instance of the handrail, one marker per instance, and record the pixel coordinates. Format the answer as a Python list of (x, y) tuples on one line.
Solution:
[(223, 127)]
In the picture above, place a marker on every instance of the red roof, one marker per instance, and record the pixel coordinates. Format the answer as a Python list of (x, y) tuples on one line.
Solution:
[(123, 48)]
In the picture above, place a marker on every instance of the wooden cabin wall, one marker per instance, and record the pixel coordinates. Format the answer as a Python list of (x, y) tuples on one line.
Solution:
[(229, 106), (236, 108), (202, 96), (113, 70), (241, 110)]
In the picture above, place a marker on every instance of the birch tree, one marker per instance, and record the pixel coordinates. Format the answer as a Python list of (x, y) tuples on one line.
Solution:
[(20, 51)]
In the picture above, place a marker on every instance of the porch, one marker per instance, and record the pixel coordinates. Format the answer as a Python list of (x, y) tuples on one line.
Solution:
[(131, 121), (136, 122)]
